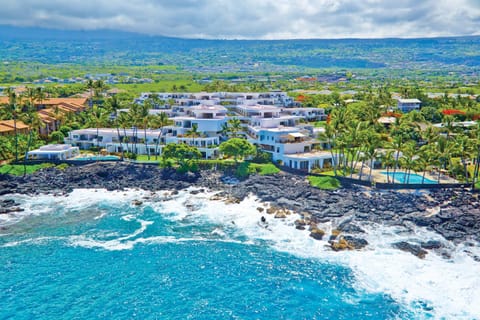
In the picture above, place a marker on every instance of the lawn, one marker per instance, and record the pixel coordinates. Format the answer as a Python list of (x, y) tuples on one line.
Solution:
[(324, 183), (263, 169), (17, 169)]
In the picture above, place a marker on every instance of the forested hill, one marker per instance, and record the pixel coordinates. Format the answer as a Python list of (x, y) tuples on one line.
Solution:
[(105, 47)]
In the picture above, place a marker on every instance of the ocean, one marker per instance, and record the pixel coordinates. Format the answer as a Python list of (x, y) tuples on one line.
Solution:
[(94, 254)]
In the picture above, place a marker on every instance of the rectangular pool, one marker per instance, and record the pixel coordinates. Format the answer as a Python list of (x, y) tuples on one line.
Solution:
[(401, 177)]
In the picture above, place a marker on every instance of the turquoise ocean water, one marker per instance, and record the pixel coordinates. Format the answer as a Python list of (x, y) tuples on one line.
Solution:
[(94, 255)]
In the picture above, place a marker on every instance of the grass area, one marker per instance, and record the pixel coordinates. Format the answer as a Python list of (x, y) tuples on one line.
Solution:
[(324, 183), (144, 158), (264, 169), (17, 169), (247, 168), (162, 86), (332, 174)]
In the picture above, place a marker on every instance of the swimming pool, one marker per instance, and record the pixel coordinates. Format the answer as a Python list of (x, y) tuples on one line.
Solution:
[(401, 177), (98, 158)]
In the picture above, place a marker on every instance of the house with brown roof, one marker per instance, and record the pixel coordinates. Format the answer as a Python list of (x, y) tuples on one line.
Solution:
[(7, 127), (51, 110)]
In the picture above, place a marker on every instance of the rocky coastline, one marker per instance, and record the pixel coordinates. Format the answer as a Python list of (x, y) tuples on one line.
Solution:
[(454, 214)]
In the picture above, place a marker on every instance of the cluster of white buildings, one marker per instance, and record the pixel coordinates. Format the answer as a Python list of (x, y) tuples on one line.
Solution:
[(268, 120)]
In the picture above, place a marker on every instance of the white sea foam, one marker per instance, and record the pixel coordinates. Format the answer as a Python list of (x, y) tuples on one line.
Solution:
[(449, 286)]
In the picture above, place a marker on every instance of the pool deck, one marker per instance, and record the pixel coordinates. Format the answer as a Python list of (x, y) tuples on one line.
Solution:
[(378, 176)]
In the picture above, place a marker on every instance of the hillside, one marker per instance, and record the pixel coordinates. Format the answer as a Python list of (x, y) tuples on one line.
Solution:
[(122, 48)]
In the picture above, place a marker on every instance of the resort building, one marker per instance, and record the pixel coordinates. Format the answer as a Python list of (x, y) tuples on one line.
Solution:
[(292, 147), (54, 152), (208, 120), (276, 98), (139, 141), (407, 105), (51, 111), (7, 127), (199, 120)]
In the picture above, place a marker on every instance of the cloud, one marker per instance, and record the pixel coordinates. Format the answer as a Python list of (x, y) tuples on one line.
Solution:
[(253, 19)]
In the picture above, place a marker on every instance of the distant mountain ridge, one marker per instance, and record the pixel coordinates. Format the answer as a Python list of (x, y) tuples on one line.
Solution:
[(118, 47)]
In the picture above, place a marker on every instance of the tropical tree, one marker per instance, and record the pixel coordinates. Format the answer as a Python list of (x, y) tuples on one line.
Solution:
[(134, 114), (388, 161), (113, 104), (30, 118), (193, 132), (145, 120), (328, 136), (443, 153), (184, 155), (160, 121), (15, 110), (408, 154), (235, 126), (98, 117), (237, 148), (397, 145), (123, 121), (90, 86), (464, 146)]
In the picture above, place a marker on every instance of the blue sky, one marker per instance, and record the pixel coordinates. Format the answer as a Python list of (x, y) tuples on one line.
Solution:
[(253, 19)]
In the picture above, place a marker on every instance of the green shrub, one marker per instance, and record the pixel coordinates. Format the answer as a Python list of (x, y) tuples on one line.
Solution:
[(242, 170), (62, 166), (130, 155), (57, 137), (65, 130), (324, 183), (262, 157)]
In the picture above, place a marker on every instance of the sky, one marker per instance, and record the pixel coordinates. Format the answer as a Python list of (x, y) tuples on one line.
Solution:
[(253, 19)]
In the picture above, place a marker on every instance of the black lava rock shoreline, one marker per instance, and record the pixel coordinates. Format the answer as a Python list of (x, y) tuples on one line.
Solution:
[(455, 214)]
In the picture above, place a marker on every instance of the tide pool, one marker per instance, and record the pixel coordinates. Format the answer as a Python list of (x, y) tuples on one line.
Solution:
[(95, 255)]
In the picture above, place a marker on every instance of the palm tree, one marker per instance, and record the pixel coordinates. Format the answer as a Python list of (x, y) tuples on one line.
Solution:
[(99, 87), (329, 137), (443, 153), (387, 161), (144, 115), (397, 145), (30, 118), (424, 159), (408, 151), (193, 133), (448, 124), (98, 117), (235, 126), (15, 110), (113, 104), (123, 121), (475, 134), (225, 130), (135, 117), (465, 148), (161, 120), (90, 85)]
